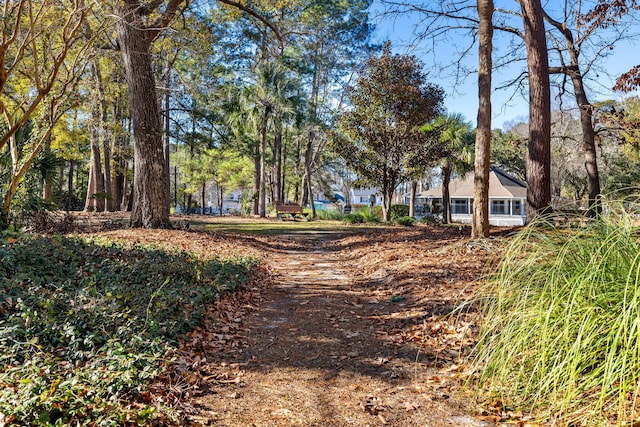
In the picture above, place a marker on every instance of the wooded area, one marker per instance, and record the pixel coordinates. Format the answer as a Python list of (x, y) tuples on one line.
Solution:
[(120, 118), (152, 107)]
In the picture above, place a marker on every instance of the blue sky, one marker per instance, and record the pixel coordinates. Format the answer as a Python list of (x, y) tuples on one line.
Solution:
[(461, 97)]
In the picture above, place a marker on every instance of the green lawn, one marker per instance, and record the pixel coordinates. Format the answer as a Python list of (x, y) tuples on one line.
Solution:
[(270, 226)]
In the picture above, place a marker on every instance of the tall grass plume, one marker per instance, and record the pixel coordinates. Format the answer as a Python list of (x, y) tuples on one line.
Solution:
[(560, 328)]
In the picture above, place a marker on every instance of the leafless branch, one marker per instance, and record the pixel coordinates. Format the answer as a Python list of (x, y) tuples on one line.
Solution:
[(256, 15)]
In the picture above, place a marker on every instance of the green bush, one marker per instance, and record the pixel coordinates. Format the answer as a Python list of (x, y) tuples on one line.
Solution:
[(431, 220), (399, 211), (87, 326), (560, 331), (370, 217), (353, 219), (329, 215), (407, 221), (377, 211)]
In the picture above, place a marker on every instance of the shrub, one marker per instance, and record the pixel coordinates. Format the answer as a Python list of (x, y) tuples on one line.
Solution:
[(377, 211), (399, 211), (406, 221), (353, 219), (560, 332), (365, 211), (87, 326), (329, 214), (431, 220), (368, 217)]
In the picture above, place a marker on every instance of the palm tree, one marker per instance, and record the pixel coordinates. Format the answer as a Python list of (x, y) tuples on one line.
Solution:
[(269, 99), (458, 139)]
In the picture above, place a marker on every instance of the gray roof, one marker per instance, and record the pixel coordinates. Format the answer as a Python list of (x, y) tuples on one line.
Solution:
[(501, 185)]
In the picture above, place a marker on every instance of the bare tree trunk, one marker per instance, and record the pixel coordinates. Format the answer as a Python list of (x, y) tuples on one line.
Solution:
[(446, 199), (256, 180), (307, 190), (480, 222), (386, 206), (263, 172), (588, 144), (118, 182), (70, 186), (298, 170), (412, 200), (586, 113), (167, 129), (89, 204), (387, 195), (94, 200), (118, 148), (108, 184), (277, 162), (101, 113), (150, 203), (310, 196), (220, 193), (283, 178), (202, 196), (309, 155), (539, 153)]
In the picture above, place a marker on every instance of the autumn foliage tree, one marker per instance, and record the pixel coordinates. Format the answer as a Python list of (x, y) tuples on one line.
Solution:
[(390, 103), (41, 59), (608, 13)]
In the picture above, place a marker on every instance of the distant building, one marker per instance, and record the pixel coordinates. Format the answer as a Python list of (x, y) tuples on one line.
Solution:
[(232, 203), (507, 197), (361, 196)]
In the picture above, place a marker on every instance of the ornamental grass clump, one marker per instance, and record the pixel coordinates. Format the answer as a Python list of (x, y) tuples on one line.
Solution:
[(560, 328)]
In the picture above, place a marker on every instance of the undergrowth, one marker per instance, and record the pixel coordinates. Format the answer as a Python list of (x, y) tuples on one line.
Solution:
[(354, 218), (87, 326), (406, 221), (329, 215), (560, 334)]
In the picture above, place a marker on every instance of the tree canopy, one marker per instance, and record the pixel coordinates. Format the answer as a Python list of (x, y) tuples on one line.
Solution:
[(390, 103), (117, 101)]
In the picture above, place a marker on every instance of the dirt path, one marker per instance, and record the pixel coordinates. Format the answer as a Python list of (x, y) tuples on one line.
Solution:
[(330, 342)]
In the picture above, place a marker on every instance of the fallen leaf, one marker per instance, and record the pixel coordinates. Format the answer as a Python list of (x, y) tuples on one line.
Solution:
[(490, 418), (410, 406)]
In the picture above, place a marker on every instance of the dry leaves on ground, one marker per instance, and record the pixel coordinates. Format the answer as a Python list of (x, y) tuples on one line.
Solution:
[(343, 329)]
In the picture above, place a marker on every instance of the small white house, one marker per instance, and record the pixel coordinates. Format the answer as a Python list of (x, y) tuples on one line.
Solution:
[(507, 196), (363, 196)]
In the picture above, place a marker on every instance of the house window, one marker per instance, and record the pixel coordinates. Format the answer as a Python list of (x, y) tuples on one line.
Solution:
[(499, 207), (364, 200), (516, 207), (459, 206)]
